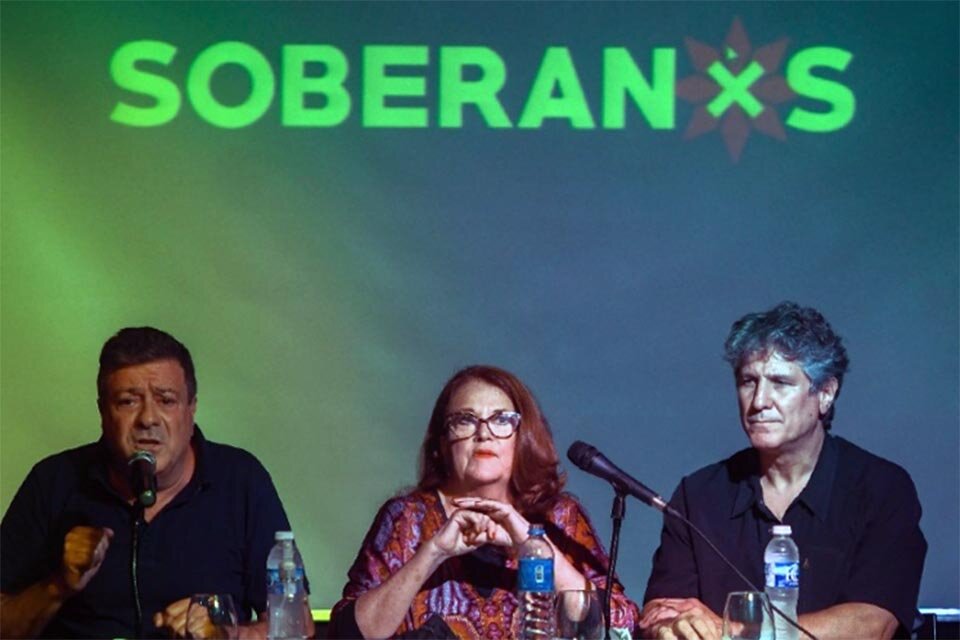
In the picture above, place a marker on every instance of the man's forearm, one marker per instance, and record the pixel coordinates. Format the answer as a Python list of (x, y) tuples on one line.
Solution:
[(26, 614), (850, 620)]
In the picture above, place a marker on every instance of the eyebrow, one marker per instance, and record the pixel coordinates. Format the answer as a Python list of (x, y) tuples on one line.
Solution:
[(781, 377), (140, 390), (128, 390)]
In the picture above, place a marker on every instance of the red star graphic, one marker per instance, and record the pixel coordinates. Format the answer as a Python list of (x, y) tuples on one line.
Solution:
[(735, 123)]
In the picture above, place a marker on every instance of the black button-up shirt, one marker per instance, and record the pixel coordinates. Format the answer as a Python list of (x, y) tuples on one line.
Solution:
[(856, 524)]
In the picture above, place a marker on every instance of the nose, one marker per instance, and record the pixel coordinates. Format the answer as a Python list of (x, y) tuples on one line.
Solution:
[(761, 396), (483, 430), (149, 415)]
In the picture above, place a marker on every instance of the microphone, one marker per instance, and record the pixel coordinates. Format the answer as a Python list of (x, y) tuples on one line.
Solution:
[(595, 463), (143, 477)]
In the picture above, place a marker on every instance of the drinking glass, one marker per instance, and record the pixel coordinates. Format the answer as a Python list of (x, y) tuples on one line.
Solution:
[(747, 616), (579, 615), (211, 615)]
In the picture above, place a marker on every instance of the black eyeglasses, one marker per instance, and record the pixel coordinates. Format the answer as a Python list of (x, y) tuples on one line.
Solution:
[(501, 424)]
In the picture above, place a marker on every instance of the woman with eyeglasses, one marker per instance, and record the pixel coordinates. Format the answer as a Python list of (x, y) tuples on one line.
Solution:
[(440, 561)]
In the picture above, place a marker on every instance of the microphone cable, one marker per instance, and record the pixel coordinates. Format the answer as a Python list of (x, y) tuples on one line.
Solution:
[(138, 521)]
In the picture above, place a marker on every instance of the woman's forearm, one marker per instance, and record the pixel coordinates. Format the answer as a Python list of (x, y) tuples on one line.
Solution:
[(381, 610), (565, 575)]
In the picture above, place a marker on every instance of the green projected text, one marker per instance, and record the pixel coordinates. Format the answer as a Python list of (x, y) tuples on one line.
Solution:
[(311, 87)]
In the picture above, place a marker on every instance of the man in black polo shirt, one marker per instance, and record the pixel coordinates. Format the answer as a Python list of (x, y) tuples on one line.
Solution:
[(82, 557), (855, 516)]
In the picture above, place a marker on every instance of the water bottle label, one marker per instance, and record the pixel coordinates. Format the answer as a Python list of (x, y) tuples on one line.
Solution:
[(536, 574), (274, 580), (783, 575)]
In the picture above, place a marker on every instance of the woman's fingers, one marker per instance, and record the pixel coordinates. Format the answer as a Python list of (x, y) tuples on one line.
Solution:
[(514, 527), (478, 529)]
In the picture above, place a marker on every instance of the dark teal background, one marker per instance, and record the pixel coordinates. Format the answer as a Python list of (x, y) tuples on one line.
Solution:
[(328, 281)]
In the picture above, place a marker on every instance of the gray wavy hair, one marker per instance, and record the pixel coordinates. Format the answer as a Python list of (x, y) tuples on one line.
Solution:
[(799, 334)]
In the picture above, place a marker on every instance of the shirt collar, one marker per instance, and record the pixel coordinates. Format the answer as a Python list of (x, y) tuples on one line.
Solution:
[(201, 472), (746, 469), (815, 496)]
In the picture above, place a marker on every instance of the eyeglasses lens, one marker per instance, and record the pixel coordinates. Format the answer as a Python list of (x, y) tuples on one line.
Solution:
[(501, 424)]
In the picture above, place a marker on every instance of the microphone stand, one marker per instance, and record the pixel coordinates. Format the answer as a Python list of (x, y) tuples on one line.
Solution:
[(616, 514)]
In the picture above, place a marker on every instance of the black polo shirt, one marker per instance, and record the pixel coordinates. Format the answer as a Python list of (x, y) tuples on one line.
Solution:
[(213, 537), (856, 524)]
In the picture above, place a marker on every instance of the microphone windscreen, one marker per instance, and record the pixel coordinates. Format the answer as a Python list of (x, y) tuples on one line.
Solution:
[(581, 454), (143, 469), (142, 456)]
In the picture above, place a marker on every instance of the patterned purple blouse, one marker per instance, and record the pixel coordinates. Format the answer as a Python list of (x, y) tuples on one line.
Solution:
[(472, 594)]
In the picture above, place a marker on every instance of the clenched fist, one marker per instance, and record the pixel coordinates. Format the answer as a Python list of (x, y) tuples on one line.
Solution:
[(84, 549)]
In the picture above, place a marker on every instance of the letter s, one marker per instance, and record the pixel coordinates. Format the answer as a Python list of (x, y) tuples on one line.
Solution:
[(838, 96), (126, 76)]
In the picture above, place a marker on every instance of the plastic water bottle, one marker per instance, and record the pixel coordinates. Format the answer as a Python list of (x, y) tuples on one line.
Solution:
[(535, 586), (781, 561), (286, 593)]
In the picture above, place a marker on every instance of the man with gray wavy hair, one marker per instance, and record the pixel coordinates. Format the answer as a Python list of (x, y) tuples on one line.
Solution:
[(854, 516)]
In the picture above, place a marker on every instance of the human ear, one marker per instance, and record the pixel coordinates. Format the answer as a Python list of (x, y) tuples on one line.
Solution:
[(827, 394)]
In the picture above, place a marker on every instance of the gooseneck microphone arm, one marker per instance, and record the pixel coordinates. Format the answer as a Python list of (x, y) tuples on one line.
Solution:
[(597, 464)]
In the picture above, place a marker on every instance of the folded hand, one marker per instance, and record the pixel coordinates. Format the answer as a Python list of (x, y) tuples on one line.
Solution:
[(507, 518), (676, 618), (466, 530)]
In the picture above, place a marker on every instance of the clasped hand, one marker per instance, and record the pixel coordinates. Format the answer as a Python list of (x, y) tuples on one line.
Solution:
[(480, 521), (676, 618)]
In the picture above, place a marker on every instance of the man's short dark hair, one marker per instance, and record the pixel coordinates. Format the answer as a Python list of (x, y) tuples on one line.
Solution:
[(138, 345), (800, 334)]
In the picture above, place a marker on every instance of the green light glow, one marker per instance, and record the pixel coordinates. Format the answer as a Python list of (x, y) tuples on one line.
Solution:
[(328, 276)]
